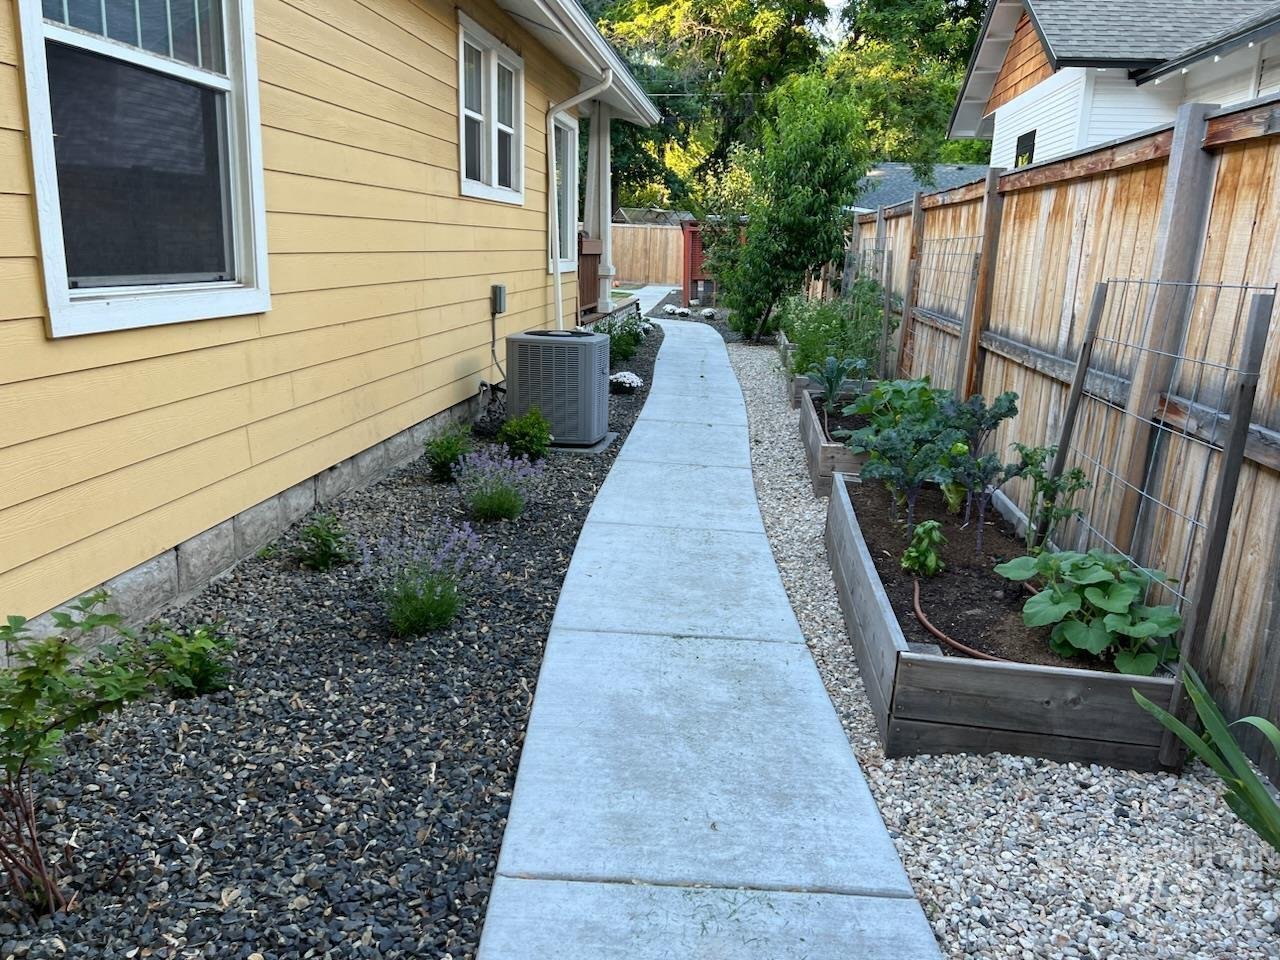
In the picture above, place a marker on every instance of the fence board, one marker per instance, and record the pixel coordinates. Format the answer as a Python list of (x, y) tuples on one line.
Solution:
[(647, 253)]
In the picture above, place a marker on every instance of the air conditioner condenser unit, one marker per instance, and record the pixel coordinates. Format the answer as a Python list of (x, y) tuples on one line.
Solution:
[(565, 375)]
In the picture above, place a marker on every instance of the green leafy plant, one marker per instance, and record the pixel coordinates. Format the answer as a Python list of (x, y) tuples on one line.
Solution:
[(1247, 796), (891, 402), (906, 457), (527, 436), (54, 685), (325, 543), (845, 327), (423, 580), (921, 557), (1094, 602), (192, 663), (495, 487), (625, 335), (446, 448), (831, 375), (804, 175), (1051, 497)]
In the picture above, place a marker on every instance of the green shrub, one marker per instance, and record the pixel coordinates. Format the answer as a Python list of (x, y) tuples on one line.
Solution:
[(527, 436), (446, 448), (495, 487), (420, 600), (325, 543), (819, 329), (54, 685), (1094, 602), (1247, 796), (423, 580), (194, 663), (625, 335)]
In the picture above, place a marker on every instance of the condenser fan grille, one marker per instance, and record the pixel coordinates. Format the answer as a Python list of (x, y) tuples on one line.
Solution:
[(565, 377)]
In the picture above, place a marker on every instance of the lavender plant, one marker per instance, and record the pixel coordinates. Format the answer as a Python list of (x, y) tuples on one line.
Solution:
[(423, 580), (495, 486)]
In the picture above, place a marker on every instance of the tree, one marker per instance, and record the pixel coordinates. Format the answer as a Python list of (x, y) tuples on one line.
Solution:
[(805, 174)]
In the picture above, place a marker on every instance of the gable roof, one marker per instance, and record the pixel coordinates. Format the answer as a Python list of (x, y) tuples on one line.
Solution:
[(1132, 32), (1146, 37), (888, 183)]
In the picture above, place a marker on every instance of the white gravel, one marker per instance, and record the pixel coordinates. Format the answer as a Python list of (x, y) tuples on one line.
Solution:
[(1015, 857)]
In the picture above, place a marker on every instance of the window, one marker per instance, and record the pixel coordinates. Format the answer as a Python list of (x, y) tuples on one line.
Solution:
[(490, 115), (1024, 153), (566, 143), (145, 141)]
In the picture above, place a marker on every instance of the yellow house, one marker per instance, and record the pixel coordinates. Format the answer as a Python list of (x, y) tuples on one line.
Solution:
[(246, 252)]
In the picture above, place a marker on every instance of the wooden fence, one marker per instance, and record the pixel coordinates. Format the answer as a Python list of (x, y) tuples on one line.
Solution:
[(1197, 202), (648, 253)]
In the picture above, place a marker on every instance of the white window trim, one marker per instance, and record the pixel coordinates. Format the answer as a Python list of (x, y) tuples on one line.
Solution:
[(495, 52), (569, 244), (76, 312)]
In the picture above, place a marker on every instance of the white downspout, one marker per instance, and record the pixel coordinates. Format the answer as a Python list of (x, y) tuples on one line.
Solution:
[(606, 81)]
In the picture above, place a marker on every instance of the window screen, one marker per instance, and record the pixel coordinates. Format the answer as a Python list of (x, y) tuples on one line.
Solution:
[(186, 30), (141, 163)]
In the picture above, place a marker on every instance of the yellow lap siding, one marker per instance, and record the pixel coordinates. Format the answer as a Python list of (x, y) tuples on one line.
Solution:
[(118, 446)]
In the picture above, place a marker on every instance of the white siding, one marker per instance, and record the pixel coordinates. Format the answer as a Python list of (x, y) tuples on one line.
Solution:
[(1270, 75), (1053, 109), (1230, 80), (1120, 108)]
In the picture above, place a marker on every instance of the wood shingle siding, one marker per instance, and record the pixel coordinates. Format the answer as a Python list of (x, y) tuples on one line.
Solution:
[(1025, 65), (115, 447)]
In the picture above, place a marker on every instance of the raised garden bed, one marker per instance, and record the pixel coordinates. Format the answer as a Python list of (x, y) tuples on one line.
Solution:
[(825, 456), (926, 702)]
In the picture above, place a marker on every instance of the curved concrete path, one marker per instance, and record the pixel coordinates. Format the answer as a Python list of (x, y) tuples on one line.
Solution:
[(686, 791)]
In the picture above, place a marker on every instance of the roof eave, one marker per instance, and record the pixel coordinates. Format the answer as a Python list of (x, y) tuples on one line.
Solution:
[(1229, 44), (588, 53)]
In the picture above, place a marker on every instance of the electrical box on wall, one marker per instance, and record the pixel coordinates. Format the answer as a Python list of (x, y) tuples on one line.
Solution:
[(498, 298)]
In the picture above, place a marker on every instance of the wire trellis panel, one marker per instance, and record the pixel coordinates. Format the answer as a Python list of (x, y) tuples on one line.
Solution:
[(948, 270)]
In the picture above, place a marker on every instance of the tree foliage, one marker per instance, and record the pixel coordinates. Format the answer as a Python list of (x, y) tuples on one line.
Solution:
[(804, 175)]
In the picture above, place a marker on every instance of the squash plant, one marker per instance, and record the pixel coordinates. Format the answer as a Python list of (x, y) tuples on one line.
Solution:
[(1094, 602)]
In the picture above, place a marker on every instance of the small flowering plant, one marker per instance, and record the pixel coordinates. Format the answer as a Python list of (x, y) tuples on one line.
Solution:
[(494, 486), (625, 382), (424, 580)]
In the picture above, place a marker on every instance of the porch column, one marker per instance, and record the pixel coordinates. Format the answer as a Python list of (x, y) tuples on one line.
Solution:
[(598, 217)]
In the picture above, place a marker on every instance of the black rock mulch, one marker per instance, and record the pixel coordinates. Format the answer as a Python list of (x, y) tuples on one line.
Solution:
[(347, 797)]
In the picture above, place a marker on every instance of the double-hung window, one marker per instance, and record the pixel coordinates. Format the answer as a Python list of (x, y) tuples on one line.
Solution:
[(490, 115), (566, 212), (145, 142)]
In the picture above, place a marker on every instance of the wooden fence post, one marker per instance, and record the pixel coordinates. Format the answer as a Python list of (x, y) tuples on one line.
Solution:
[(1224, 498), (886, 291), (978, 316), (1072, 413), (913, 279), (1183, 215)]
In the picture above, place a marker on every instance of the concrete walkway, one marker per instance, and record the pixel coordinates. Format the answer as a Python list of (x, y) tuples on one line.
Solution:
[(686, 791), (652, 295)]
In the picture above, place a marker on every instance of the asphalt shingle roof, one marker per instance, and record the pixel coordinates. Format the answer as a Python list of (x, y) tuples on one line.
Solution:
[(890, 183), (1135, 31)]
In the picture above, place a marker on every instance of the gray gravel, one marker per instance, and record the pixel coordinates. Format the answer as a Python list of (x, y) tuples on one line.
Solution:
[(1014, 857), (346, 797)]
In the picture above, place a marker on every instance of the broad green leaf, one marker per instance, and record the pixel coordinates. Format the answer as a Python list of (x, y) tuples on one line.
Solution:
[(1020, 568), (1115, 598), (1138, 664), (1048, 607), (1086, 573)]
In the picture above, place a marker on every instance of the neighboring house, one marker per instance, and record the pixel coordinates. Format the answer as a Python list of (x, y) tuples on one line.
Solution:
[(1050, 77), (246, 253), (889, 183)]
